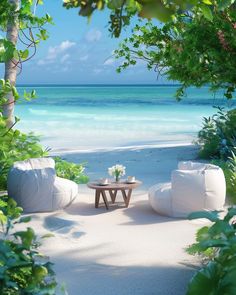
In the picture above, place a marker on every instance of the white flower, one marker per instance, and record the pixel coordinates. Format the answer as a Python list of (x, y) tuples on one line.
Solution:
[(117, 170)]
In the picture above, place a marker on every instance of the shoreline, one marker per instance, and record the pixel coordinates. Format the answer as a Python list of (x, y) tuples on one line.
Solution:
[(151, 165), (69, 151)]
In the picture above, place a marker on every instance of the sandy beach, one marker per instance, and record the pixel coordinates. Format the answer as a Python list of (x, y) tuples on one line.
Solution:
[(124, 250)]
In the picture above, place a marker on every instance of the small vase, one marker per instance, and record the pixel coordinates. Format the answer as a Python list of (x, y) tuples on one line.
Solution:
[(117, 179)]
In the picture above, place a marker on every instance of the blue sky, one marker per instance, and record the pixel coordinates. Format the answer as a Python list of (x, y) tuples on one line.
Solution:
[(79, 53)]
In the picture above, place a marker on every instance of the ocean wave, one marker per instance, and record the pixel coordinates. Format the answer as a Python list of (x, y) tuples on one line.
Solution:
[(106, 118)]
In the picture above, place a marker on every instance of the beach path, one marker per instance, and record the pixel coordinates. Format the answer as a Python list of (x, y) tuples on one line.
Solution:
[(121, 251)]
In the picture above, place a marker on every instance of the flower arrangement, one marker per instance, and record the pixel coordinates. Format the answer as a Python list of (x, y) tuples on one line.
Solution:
[(117, 171)]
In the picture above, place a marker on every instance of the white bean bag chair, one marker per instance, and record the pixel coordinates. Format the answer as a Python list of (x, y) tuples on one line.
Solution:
[(36, 188), (193, 187)]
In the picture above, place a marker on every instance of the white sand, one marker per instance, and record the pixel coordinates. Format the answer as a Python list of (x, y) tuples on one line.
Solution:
[(124, 250)]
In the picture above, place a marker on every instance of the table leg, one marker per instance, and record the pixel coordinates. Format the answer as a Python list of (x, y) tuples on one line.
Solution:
[(105, 199), (126, 197), (113, 195), (97, 198)]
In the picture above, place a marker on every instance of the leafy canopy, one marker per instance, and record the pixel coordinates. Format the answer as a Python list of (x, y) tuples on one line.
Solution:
[(27, 22), (121, 11), (195, 46), (192, 49)]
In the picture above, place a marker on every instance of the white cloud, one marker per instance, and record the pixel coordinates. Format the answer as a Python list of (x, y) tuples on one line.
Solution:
[(64, 46), (109, 62), (97, 71), (93, 35), (55, 51), (84, 57), (64, 58), (65, 69), (45, 61), (41, 62)]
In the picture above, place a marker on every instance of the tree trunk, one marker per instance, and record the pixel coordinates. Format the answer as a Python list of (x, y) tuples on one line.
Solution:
[(10, 68)]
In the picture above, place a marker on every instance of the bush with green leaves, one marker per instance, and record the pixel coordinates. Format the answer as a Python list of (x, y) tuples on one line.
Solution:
[(229, 169), (23, 269), (218, 275), (196, 249), (217, 138), (72, 171)]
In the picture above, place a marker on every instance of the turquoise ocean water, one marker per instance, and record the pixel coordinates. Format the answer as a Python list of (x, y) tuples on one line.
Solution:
[(90, 117)]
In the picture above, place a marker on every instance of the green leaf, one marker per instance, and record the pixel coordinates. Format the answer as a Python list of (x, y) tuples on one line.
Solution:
[(205, 281), (3, 217), (25, 219), (217, 243), (210, 215), (208, 2), (231, 213), (156, 9), (206, 10), (43, 34), (27, 237), (24, 54), (40, 272), (49, 235), (15, 93), (114, 4), (33, 94), (6, 50), (223, 4)]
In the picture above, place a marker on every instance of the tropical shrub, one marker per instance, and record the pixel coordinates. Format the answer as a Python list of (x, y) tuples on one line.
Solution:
[(196, 248), (217, 138), (70, 171), (23, 270), (218, 275), (229, 169)]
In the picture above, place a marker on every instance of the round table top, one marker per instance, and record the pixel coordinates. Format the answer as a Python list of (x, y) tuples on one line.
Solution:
[(122, 184)]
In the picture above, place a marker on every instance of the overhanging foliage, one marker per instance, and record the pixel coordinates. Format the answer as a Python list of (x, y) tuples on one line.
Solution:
[(121, 11), (191, 49)]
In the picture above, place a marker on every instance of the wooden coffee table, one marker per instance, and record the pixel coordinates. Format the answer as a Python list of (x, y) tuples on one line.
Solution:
[(113, 188)]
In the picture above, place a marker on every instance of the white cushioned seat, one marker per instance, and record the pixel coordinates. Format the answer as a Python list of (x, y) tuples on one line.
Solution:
[(160, 198), (36, 188), (64, 187), (193, 187)]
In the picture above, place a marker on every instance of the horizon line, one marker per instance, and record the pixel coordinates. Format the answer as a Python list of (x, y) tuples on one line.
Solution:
[(95, 84)]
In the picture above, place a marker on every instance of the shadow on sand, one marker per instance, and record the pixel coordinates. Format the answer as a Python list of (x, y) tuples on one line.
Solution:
[(85, 277), (139, 212), (85, 209), (142, 213)]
